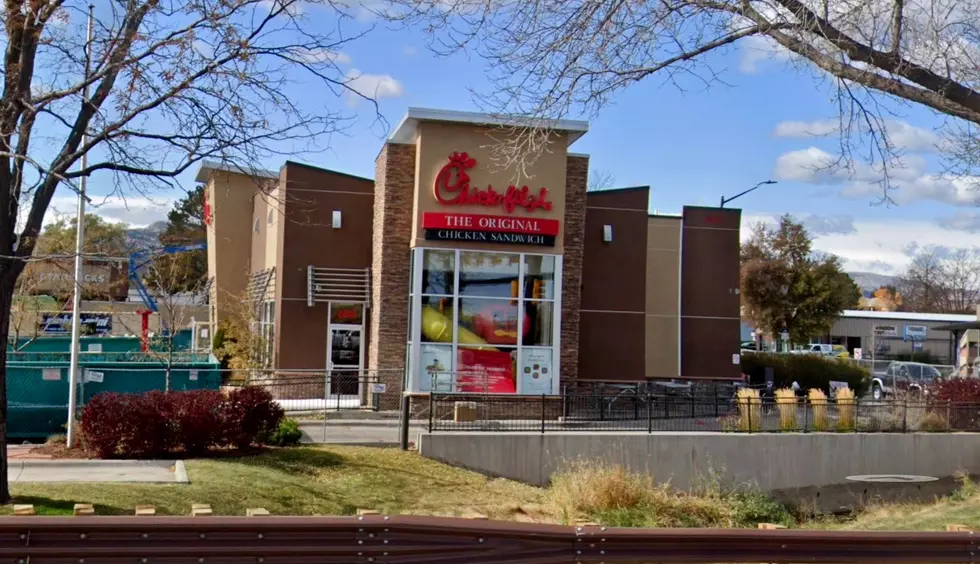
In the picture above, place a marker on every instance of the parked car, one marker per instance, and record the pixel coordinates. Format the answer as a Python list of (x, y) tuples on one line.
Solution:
[(909, 377), (817, 349), (841, 352)]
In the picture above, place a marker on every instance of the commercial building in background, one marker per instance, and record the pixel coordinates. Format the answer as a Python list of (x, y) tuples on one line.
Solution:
[(451, 272), (898, 334)]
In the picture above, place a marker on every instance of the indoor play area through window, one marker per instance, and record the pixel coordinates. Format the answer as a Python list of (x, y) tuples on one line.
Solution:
[(486, 322)]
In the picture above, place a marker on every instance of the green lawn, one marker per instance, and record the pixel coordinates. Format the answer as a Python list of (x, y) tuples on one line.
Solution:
[(305, 481)]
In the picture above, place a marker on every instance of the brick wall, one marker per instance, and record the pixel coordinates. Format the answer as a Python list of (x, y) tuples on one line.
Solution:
[(394, 189), (576, 181)]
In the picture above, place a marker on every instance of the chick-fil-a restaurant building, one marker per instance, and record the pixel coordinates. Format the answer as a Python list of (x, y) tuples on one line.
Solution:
[(462, 268)]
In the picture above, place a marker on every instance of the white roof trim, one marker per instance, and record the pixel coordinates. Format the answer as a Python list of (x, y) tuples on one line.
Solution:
[(908, 316), (210, 167), (405, 131)]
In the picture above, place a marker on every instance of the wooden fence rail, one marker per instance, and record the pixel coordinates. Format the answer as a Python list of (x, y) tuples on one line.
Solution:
[(379, 539)]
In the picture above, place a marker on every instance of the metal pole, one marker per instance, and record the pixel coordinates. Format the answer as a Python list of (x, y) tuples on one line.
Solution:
[(76, 302), (406, 420)]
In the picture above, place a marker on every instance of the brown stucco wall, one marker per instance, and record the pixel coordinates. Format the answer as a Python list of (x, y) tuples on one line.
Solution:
[(390, 265), (308, 197), (613, 288), (709, 293)]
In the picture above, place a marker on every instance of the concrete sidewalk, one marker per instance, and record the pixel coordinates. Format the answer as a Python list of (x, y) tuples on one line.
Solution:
[(117, 471), (356, 432)]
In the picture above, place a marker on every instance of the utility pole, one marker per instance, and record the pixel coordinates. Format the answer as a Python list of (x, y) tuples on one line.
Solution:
[(76, 302)]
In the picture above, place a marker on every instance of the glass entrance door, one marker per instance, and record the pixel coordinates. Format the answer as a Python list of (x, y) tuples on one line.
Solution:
[(344, 360)]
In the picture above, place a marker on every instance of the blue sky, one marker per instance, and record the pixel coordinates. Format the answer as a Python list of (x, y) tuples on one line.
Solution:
[(690, 146)]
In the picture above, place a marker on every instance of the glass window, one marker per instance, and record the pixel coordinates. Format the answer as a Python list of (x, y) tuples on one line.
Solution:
[(486, 370), (437, 368), (536, 371), (437, 320), (438, 272), (488, 321), (480, 315), (539, 319), (492, 275), (539, 277)]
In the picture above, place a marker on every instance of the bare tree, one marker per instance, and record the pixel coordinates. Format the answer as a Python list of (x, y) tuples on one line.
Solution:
[(941, 281), (169, 83), (601, 179), (162, 277), (552, 58)]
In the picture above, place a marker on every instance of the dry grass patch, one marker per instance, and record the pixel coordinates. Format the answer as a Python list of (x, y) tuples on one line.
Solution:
[(612, 495)]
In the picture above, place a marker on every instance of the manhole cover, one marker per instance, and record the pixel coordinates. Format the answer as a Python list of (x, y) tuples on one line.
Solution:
[(892, 478)]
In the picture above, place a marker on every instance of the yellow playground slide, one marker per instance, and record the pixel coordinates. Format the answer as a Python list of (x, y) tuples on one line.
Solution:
[(437, 327)]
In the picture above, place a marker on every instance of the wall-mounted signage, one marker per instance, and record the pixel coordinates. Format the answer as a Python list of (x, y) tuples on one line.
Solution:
[(92, 323), (452, 188), (489, 229), (885, 330), (916, 332)]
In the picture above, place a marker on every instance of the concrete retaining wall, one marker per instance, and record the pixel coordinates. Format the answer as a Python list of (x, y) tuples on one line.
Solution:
[(766, 461)]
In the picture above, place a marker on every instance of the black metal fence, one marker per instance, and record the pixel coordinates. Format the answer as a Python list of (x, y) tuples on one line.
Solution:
[(674, 413)]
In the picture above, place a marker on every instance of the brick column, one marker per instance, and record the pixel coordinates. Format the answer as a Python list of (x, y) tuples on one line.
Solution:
[(394, 190), (576, 181)]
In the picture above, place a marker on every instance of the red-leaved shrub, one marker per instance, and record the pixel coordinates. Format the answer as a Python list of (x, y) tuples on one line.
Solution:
[(155, 423), (253, 416), (958, 401)]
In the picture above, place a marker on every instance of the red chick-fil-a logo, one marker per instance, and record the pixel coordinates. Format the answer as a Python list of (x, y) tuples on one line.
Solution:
[(452, 188)]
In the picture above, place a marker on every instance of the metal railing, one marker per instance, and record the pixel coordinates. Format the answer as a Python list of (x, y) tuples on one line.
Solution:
[(421, 540), (672, 413)]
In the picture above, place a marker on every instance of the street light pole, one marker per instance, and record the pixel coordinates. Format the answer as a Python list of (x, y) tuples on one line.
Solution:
[(76, 301), (725, 200)]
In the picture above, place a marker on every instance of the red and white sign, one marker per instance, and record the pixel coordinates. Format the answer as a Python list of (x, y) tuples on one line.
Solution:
[(452, 188), (485, 372), (496, 223)]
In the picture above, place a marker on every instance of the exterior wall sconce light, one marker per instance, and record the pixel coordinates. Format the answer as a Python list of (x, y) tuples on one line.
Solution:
[(336, 220), (607, 233)]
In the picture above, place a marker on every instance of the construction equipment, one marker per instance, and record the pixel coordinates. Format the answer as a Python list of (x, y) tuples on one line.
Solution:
[(137, 261)]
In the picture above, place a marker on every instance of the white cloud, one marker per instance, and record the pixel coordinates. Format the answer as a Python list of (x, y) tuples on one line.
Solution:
[(961, 221), (829, 224), (878, 245), (374, 86), (902, 135), (811, 165), (290, 7), (410, 51), (798, 129), (135, 212), (909, 178), (756, 49), (321, 56)]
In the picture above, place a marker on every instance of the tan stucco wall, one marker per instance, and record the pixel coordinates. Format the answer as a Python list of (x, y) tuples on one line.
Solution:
[(434, 144), (230, 195), (663, 297)]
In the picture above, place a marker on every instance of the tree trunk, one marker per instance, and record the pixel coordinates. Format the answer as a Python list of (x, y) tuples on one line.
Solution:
[(6, 300)]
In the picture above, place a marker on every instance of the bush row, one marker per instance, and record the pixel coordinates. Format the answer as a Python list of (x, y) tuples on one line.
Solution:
[(156, 423), (809, 371)]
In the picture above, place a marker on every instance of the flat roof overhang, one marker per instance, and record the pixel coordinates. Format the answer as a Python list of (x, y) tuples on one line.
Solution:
[(405, 131)]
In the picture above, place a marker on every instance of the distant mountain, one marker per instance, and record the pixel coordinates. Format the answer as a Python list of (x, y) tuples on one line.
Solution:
[(144, 238), (871, 281)]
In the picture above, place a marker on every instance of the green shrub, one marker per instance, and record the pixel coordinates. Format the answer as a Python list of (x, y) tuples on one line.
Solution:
[(287, 434), (809, 371)]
